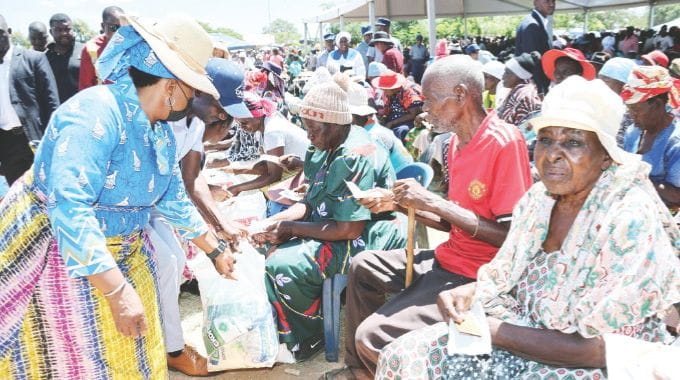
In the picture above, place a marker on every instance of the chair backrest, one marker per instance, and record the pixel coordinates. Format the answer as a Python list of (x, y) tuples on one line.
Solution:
[(419, 171)]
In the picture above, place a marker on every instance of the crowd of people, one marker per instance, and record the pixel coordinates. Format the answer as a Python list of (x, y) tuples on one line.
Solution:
[(559, 165)]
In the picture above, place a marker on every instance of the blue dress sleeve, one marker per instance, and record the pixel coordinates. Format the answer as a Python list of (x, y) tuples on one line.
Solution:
[(178, 209), (81, 144)]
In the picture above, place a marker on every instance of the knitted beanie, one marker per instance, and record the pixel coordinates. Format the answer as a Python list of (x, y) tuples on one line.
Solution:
[(327, 103)]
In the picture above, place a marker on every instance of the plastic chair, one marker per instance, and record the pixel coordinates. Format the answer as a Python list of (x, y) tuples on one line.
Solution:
[(333, 287), (419, 171)]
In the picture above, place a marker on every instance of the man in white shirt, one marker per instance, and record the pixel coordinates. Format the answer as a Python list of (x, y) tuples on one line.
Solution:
[(209, 121)]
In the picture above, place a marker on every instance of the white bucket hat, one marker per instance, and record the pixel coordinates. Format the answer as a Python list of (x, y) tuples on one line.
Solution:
[(357, 96), (182, 45), (586, 105)]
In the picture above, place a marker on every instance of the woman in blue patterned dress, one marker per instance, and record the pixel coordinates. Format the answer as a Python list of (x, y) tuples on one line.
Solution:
[(77, 273)]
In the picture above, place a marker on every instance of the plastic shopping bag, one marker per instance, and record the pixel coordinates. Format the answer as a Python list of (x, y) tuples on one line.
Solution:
[(239, 330)]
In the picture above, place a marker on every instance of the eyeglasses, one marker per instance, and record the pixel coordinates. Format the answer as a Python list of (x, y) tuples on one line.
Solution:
[(112, 27)]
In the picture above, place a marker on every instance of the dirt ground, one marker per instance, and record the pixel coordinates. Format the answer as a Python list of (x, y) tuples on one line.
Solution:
[(190, 308)]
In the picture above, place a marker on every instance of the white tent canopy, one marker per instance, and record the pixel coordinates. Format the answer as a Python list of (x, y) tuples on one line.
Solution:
[(417, 9), (361, 10)]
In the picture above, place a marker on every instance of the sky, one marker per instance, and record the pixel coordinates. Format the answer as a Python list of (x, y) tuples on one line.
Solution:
[(244, 16)]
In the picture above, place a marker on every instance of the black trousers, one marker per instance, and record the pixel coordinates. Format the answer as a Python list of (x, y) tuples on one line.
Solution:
[(15, 154)]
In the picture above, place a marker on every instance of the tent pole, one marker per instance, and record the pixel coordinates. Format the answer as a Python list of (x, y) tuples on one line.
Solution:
[(585, 21), (371, 12), (305, 38), (321, 33), (650, 21), (432, 26)]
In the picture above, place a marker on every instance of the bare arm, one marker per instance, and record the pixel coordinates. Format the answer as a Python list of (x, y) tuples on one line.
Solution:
[(670, 195), (408, 117), (327, 230), (565, 350), (200, 194), (272, 174)]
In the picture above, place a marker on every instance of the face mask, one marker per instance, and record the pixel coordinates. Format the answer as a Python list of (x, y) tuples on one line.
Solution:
[(176, 115)]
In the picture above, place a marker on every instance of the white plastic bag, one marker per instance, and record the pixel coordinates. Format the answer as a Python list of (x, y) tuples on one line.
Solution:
[(239, 330)]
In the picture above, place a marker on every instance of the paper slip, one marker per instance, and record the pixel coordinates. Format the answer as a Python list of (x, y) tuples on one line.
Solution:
[(259, 227), (461, 342), (290, 194), (357, 193)]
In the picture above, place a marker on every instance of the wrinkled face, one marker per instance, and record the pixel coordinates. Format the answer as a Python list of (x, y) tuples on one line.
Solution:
[(545, 7), (321, 135), (329, 45), (368, 37), (443, 109), (62, 32), (566, 67), (343, 45), (251, 124), (569, 161), (646, 114)]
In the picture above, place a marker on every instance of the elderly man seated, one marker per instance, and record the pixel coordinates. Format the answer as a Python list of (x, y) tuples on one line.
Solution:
[(489, 171)]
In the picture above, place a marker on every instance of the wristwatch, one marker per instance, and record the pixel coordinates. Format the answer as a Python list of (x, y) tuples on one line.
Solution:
[(221, 245)]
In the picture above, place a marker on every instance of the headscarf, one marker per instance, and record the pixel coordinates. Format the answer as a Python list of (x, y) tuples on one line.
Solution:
[(128, 48), (341, 35), (646, 82), (257, 105), (442, 49)]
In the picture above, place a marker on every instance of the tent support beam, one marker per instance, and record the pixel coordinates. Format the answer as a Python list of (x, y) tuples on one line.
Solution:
[(650, 20), (586, 12), (516, 4), (432, 26), (371, 13)]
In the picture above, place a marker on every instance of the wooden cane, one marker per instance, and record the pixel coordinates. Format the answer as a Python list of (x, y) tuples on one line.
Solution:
[(410, 243)]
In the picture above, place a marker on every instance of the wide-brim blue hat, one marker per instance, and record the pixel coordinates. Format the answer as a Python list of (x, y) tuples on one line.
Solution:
[(227, 77)]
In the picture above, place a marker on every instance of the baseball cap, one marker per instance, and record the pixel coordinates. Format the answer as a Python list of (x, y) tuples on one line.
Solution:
[(228, 79)]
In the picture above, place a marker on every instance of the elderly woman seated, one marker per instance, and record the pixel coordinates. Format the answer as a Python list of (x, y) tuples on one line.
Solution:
[(650, 94), (315, 238), (400, 102), (592, 251)]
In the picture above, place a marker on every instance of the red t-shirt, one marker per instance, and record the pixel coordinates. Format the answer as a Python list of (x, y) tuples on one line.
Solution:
[(488, 176), (394, 60), (88, 76)]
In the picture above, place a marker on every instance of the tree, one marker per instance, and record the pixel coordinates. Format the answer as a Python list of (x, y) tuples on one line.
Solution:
[(18, 39), (666, 13), (220, 30), (284, 31), (82, 31)]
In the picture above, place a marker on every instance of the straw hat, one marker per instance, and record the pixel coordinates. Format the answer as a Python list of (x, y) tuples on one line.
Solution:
[(589, 106), (182, 45)]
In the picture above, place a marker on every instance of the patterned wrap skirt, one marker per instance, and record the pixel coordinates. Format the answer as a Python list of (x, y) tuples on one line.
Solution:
[(54, 326)]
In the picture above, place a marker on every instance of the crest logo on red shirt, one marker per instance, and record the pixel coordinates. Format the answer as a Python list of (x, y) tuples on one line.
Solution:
[(476, 189)]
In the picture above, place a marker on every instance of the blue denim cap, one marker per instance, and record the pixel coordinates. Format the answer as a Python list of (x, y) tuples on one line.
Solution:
[(227, 77)]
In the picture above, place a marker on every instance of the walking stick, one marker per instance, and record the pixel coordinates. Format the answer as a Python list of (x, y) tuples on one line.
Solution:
[(410, 243)]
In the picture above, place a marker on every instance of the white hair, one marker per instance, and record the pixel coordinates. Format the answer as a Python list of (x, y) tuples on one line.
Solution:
[(447, 73)]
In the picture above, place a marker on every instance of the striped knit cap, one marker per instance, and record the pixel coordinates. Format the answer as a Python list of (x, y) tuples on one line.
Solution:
[(327, 103)]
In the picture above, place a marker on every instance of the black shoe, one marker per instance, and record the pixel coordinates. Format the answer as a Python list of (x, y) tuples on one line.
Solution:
[(190, 287), (308, 349)]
